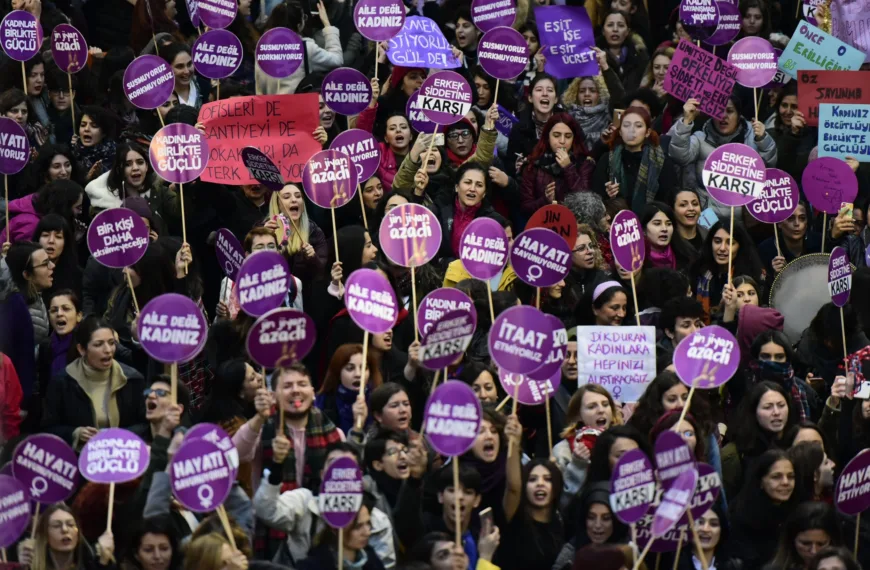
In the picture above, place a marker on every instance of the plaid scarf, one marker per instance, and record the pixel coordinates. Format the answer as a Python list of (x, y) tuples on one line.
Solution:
[(646, 186), (782, 373)]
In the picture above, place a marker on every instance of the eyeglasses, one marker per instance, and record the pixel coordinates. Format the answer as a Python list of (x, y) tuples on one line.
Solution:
[(161, 393), (46, 263), (456, 135), (60, 525), (58, 92), (393, 451), (582, 248)]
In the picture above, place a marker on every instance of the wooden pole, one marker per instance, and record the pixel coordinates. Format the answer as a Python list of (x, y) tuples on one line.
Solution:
[(429, 150), (173, 370), (456, 501), (730, 242), (111, 508), (414, 303), (643, 554), (362, 207), (857, 527), (24, 78), (517, 381), (843, 331), (550, 426), (503, 403), (72, 102), (334, 233), (776, 239), (679, 548), (686, 407), (488, 292), (35, 520), (6, 196), (697, 541), (341, 549), (225, 522), (183, 222), (132, 291), (824, 229), (636, 306), (362, 382), (377, 56)]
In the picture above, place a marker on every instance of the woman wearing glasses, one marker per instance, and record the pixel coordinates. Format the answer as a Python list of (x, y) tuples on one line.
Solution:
[(58, 544), (587, 265)]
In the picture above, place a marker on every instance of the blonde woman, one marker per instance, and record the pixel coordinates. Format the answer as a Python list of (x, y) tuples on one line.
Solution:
[(306, 246), (654, 76), (213, 552)]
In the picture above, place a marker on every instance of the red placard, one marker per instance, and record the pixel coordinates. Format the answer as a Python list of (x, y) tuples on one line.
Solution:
[(557, 218), (817, 87)]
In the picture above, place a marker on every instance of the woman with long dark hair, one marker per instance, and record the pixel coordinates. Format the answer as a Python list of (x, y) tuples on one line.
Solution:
[(15, 105), (665, 246), (153, 546), (56, 237), (157, 17), (59, 544), (95, 145), (811, 528)]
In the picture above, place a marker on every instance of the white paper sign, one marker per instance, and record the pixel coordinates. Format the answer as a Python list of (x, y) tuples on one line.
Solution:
[(621, 359)]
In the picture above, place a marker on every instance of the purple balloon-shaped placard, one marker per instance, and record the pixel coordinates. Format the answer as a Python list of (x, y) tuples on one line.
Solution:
[(828, 182), (503, 53), (200, 476), (229, 253), (557, 354), (729, 24), (217, 14), (627, 241), (172, 328), (839, 277), (21, 35), (521, 339), (14, 147), (852, 494), (410, 235), (179, 153), (371, 301), (279, 52), (264, 280), (675, 501), (755, 61), (118, 237), (779, 199), (672, 457), (148, 82), (529, 391), (346, 91), (217, 54), (14, 510), (489, 14), (445, 97), (734, 174), (418, 119), (329, 179), (447, 339), (281, 337), (540, 257), (363, 150), (379, 20), (483, 248), (707, 358), (193, 11), (452, 418), (706, 492), (700, 18), (341, 492), (216, 435), (262, 169), (114, 455), (48, 468), (632, 486), (440, 302), (69, 48)]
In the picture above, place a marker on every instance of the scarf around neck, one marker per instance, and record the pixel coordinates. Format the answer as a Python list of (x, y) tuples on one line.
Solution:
[(592, 120), (59, 349), (462, 216), (662, 257), (646, 185), (457, 160)]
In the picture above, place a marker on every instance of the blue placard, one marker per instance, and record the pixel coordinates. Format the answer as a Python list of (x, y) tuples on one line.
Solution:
[(811, 48), (708, 218), (506, 121), (844, 130), (421, 44)]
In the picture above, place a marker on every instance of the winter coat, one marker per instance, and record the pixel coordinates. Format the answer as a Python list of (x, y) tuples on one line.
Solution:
[(576, 178), (164, 203), (316, 60), (23, 219)]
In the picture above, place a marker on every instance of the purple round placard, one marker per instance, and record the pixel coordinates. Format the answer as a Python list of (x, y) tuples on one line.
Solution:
[(781, 77), (217, 54), (445, 97), (217, 13), (700, 18), (172, 328), (410, 235), (341, 492), (418, 119), (264, 280), (483, 248), (216, 435), (503, 53), (672, 457), (363, 150), (371, 301), (778, 200), (261, 168), (14, 147), (729, 24), (114, 455), (489, 14), (852, 494), (379, 20), (521, 339), (69, 48), (281, 337), (540, 257), (148, 81), (14, 510), (179, 153), (632, 486), (346, 91), (440, 302), (193, 11), (452, 418), (706, 492), (200, 476), (827, 182), (47, 466), (118, 237), (279, 52), (839, 276), (447, 339), (529, 391), (708, 357), (755, 61), (329, 179), (674, 502), (627, 240), (229, 253), (558, 353), (734, 174), (21, 34)]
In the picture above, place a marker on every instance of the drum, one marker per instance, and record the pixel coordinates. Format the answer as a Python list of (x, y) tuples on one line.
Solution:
[(799, 291)]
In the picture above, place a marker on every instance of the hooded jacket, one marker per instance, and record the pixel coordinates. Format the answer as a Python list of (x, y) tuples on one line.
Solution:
[(23, 219)]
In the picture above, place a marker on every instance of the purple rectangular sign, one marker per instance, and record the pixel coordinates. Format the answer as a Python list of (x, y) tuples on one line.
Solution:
[(697, 73), (421, 44), (566, 31)]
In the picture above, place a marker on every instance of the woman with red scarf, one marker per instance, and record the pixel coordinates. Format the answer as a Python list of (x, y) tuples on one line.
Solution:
[(468, 203)]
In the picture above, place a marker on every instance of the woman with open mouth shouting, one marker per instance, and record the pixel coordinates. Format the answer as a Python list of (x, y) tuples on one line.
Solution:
[(58, 543), (488, 456), (341, 385), (543, 101), (94, 146), (65, 314), (664, 246), (306, 243)]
